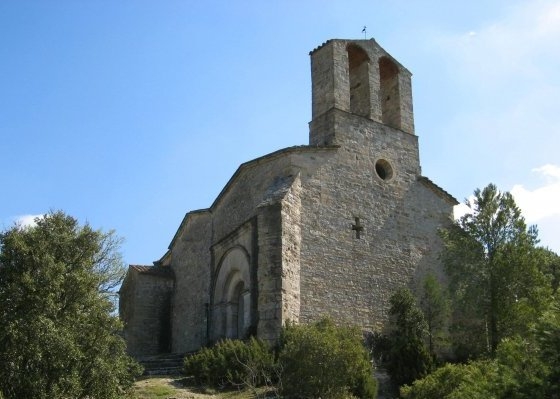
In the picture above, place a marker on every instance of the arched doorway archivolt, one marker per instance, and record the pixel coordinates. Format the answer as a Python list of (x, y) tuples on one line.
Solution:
[(231, 311)]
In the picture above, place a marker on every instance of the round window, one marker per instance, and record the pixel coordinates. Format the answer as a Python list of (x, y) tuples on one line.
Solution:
[(384, 169)]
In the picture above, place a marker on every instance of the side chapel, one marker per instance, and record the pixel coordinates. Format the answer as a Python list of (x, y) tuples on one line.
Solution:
[(330, 228)]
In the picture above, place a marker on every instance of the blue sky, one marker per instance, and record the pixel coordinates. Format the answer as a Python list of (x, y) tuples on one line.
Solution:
[(128, 114)]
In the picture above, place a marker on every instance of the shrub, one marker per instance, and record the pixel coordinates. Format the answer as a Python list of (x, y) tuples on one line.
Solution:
[(326, 361), (439, 384), (514, 374), (232, 362)]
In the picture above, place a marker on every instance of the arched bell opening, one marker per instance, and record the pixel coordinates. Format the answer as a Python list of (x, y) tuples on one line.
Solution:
[(389, 93), (358, 69)]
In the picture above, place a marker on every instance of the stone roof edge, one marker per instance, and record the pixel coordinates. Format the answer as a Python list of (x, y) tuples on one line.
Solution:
[(266, 158), (161, 261), (438, 190), (231, 181), (160, 271), (185, 220), (362, 40)]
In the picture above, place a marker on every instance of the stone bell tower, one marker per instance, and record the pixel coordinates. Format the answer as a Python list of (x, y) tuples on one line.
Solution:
[(373, 216), (360, 78)]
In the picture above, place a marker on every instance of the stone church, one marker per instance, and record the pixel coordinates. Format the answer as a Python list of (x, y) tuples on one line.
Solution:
[(330, 228)]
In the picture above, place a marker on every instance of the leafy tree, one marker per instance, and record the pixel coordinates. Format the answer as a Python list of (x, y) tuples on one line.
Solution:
[(547, 333), (435, 306), (523, 368), (325, 361), (58, 338), (550, 266), (492, 262), (409, 359)]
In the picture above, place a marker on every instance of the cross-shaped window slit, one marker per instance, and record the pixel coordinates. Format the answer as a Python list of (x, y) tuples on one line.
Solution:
[(357, 227)]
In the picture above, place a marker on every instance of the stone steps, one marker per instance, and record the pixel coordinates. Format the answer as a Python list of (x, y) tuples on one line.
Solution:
[(166, 364)]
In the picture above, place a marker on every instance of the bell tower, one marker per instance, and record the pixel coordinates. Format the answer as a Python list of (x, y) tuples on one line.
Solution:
[(359, 78)]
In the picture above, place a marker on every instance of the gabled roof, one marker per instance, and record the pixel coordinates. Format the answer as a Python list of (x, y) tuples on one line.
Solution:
[(159, 271), (241, 169), (266, 158), (438, 190)]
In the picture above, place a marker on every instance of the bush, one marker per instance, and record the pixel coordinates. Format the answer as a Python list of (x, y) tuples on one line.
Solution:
[(453, 381), (322, 360), (514, 374), (232, 362)]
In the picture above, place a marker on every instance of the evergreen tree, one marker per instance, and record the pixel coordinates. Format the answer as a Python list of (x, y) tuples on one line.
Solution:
[(435, 306), (58, 337), (409, 359), (523, 368), (492, 262), (550, 266)]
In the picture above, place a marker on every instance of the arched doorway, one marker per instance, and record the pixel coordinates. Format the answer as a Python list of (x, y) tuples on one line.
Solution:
[(231, 310)]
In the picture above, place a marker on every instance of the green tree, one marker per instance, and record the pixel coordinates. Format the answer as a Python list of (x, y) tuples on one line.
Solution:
[(550, 266), (58, 338), (523, 368), (492, 262), (409, 359), (325, 361), (547, 333), (435, 306)]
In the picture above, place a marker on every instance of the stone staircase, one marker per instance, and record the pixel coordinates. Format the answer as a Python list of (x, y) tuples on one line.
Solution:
[(164, 364)]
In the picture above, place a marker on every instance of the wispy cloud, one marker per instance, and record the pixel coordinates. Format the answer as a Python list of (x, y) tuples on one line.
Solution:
[(508, 73), (543, 201), (516, 44)]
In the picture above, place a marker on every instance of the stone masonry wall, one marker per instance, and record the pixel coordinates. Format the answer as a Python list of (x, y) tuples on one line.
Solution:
[(369, 220), (331, 83), (147, 320), (258, 190), (352, 279), (190, 259), (291, 251)]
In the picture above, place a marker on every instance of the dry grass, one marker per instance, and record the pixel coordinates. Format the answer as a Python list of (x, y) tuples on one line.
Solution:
[(178, 388)]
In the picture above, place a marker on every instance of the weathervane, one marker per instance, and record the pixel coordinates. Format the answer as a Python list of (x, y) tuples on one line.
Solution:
[(364, 31)]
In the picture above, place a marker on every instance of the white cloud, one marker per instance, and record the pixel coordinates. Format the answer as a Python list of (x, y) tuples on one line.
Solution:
[(26, 220), (544, 201), (463, 208), (540, 205)]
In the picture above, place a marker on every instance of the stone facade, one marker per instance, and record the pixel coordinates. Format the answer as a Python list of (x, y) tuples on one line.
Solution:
[(145, 303), (332, 228)]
